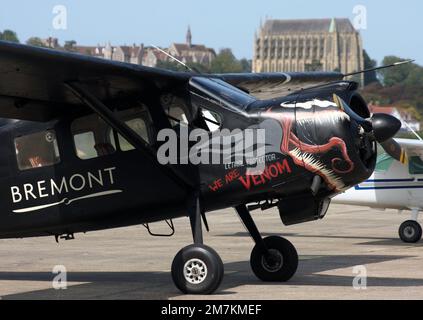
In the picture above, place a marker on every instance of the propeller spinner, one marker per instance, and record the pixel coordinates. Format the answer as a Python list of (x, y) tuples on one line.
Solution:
[(381, 127)]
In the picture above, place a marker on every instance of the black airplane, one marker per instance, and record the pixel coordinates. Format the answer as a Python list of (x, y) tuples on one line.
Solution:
[(80, 138)]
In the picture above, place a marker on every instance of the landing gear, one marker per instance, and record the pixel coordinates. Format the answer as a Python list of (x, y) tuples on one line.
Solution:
[(197, 269), (279, 264), (411, 231), (273, 259)]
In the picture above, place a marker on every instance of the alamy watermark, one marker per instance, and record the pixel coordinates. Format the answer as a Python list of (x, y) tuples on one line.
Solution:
[(360, 279), (60, 281), (360, 17), (60, 19), (199, 146)]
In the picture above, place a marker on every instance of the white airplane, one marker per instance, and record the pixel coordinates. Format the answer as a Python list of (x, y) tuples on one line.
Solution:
[(394, 185)]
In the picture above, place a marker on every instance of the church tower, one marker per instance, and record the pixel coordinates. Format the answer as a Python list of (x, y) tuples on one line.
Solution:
[(189, 37)]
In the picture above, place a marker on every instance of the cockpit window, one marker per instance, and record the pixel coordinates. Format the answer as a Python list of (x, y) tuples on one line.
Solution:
[(37, 150), (415, 165)]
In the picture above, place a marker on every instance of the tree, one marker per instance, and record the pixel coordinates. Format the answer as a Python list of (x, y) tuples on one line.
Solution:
[(35, 41), (395, 75), (9, 35), (369, 77), (247, 65), (225, 62), (175, 66), (415, 77), (70, 45)]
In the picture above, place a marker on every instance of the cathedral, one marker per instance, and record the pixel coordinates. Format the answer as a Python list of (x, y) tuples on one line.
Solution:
[(308, 45)]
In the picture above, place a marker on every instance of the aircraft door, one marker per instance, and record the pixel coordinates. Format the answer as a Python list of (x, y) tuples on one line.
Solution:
[(415, 168)]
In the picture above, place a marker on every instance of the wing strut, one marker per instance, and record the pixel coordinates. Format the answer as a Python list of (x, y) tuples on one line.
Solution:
[(126, 132)]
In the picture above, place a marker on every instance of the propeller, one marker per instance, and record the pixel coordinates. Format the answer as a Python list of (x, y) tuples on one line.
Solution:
[(384, 128), (381, 127)]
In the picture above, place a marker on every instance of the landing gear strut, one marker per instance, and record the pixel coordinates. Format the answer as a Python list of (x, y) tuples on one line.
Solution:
[(273, 259), (411, 231), (197, 269)]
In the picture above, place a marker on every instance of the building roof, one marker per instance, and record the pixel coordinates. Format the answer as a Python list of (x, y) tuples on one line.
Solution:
[(343, 25), (382, 109), (195, 47), (130, 50), (89, 50)]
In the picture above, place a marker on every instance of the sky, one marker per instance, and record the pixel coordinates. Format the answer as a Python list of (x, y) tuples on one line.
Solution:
[(393, 27)]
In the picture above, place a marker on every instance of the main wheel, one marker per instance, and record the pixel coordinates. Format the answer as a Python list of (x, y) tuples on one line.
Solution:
[(410, 231), (279, 265), (197, 269)]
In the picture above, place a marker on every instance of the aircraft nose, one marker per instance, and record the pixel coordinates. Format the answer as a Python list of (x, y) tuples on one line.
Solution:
[(385, 126)]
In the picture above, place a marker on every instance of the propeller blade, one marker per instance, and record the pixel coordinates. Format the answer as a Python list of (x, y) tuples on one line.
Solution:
[(395, 150)]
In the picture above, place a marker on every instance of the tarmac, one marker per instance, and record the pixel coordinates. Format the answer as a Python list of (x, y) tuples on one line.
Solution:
[(129, 264)]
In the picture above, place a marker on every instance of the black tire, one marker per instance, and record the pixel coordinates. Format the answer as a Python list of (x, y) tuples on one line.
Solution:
[(284, 264), (410, 232), (203, 270)]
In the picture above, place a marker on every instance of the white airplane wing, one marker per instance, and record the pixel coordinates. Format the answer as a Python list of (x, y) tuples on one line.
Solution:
[(413, 147)]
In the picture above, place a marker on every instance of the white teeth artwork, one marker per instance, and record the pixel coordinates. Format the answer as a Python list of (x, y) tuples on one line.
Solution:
[(310, 104), (327, 117), (319, 167)]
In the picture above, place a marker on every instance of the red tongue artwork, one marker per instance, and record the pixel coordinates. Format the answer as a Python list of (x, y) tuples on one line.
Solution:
[(290, 141)]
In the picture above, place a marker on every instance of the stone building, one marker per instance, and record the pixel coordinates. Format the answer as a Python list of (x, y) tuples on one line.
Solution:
[(131, 54), (148, 56), (189, 52), (308, 45)]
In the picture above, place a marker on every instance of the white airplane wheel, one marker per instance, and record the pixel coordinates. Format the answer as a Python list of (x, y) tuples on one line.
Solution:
[(281, 263), (197, 269), (410, 232)]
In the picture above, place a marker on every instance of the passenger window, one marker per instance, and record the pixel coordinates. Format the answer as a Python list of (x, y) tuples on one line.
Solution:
[(37, 150), (416, 165), (137, 119), (140, 127), (92, 138)]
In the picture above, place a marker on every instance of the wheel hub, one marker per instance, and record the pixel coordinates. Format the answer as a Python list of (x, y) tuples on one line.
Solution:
[(195, 271), (272, 262), (409, 232)]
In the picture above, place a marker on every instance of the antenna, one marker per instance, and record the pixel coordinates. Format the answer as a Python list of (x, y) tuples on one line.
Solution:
[(177, 60), (412, 130), (379, 68)]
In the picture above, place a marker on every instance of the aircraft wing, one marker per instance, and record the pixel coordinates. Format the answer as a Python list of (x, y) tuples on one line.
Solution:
[(273, 85), (413, 147), (32, 80)]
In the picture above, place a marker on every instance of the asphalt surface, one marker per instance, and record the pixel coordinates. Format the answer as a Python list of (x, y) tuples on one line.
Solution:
[(129, 264)]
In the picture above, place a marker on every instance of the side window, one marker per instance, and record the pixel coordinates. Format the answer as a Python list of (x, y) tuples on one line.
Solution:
[(212, 119), (138, 120), (416, 165), (140, 127), (92, 138), (37, 150)]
